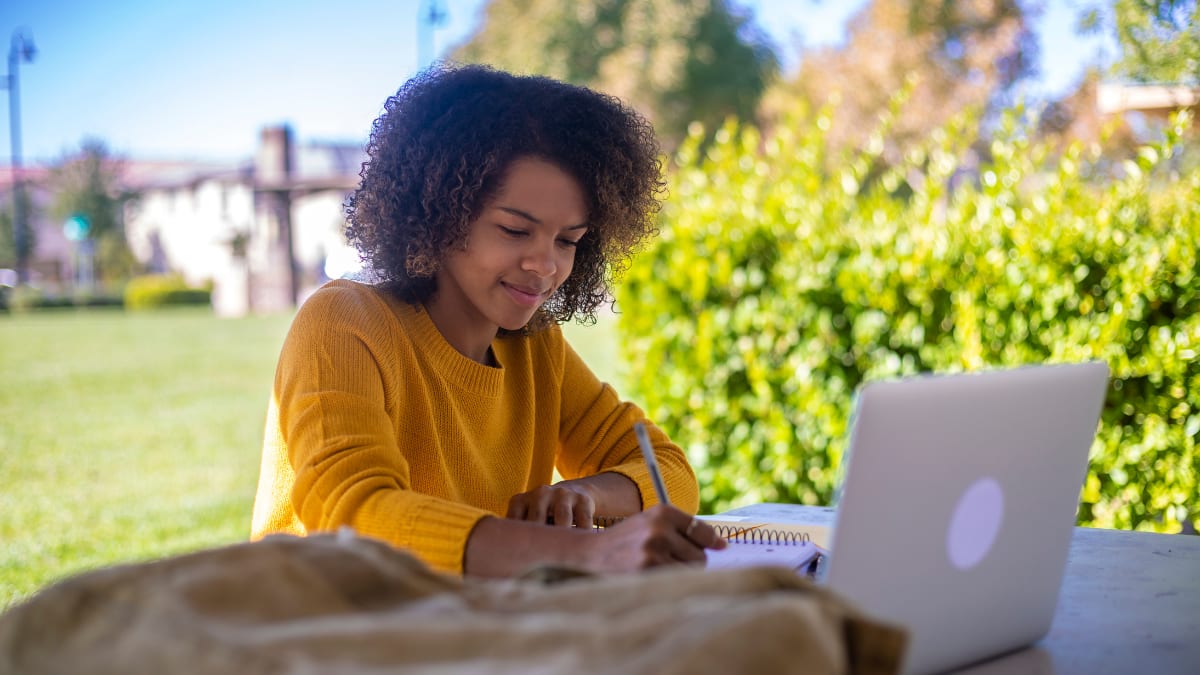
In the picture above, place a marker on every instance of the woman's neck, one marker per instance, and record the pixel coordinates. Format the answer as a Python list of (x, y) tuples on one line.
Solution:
[(464, 335)]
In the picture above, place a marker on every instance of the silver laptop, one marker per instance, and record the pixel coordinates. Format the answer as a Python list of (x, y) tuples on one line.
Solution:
[(959, 502)]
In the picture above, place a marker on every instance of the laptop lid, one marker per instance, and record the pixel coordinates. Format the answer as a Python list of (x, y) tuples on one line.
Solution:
[(958, 505)]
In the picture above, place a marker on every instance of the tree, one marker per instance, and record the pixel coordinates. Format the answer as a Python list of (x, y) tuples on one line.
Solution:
[(676, 61), (89, 186), (953, 56), (1160, 40), (9, 254), (1160, 44)]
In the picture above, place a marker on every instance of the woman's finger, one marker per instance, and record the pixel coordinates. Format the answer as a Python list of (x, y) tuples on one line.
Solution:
[(584, 513), (703, 535), (517, 507), (540, 505), (563, 515)]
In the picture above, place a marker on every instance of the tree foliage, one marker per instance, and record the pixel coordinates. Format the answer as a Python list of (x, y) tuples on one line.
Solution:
[(89, 185), (954, 55), (8, 234), (1160, 40), (777, 287), (676, 61)]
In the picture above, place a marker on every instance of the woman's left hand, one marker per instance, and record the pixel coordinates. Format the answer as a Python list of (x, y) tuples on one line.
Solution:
[(566, 503)]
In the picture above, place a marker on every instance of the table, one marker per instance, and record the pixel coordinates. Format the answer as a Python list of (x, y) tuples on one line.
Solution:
[(1129, 602)]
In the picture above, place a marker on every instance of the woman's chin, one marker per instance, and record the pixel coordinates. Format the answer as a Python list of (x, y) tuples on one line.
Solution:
[(516, 324)]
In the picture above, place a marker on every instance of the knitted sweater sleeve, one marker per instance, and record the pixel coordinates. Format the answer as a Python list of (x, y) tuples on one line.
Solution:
[(597, 436), (338, 389)]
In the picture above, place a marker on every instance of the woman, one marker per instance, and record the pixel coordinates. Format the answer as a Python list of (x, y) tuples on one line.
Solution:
[(431, 407)]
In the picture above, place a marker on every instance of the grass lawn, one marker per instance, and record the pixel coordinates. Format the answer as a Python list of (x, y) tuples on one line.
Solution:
[(132, 436)]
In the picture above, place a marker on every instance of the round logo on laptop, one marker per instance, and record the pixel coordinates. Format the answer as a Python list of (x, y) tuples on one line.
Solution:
[(975, 523)]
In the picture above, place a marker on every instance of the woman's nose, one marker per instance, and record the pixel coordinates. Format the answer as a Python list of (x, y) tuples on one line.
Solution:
[(540, 259)]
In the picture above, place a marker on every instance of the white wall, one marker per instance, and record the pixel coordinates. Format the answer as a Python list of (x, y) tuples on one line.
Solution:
[(194, 227)]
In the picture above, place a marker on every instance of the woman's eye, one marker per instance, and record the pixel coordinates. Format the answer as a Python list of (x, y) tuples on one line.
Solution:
[(511, 232), (573, 243)]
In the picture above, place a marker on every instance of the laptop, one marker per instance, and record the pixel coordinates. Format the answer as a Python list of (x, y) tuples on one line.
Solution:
[(958, 505)]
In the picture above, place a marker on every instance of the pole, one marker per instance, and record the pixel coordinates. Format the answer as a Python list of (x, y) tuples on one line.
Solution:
[(21, 50), (429, 16), (14, 119)]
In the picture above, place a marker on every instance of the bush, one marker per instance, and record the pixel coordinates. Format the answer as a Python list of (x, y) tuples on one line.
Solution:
[(160, 290), (31, 298), (776, 289)]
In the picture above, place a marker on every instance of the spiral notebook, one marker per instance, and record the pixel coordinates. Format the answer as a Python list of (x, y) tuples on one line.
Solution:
[(754, 542)]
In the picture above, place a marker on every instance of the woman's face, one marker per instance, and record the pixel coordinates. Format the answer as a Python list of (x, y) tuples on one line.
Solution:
[(517, 252)]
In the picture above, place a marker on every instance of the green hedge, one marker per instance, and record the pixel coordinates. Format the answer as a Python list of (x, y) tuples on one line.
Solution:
[(160, 290), (776, 288), (30, 298)]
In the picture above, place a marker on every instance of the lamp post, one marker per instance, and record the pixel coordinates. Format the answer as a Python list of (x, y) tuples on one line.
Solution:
[(22, 50), (429, 16)]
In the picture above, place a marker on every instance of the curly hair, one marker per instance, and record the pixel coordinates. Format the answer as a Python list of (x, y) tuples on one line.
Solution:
[(437, 156)]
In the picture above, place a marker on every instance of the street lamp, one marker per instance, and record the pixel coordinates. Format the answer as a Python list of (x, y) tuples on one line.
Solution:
[(22, 50), (430, 15)]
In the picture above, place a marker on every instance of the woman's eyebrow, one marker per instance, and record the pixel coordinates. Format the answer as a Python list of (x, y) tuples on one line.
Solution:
[(536, 221), (521, 214)]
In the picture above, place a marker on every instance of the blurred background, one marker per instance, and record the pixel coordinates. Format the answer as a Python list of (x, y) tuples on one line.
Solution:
[(198, 122), (859, 190)]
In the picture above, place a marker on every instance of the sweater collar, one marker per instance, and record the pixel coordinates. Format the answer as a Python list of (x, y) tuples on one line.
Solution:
[(447, 360)]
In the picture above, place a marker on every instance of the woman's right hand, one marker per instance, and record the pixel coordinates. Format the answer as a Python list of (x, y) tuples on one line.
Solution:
[(660, 535)]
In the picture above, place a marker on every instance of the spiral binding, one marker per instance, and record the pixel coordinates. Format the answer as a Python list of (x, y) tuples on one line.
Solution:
[(751, 534), (757, 534)]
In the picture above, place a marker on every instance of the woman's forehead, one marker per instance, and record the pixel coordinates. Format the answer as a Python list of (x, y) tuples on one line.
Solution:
[(538, 190)]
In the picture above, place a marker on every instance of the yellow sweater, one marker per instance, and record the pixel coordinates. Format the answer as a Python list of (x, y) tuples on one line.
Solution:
[(378, 423)]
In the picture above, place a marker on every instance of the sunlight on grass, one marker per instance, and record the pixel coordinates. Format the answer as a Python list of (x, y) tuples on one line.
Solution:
[(128, 437)]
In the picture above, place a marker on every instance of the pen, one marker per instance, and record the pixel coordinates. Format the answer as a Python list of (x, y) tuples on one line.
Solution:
[(651, 462)]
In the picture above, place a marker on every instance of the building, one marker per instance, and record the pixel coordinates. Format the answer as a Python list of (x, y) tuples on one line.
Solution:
[(262, 232), (1155, 100)]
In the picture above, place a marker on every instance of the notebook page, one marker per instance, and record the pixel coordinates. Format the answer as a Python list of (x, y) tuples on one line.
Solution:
[(816, 521), (747, 554)]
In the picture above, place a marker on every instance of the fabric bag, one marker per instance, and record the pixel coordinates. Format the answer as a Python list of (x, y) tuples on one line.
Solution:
[(340, 603)]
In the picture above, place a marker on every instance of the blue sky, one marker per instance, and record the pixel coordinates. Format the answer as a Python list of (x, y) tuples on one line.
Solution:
[(188, 79)]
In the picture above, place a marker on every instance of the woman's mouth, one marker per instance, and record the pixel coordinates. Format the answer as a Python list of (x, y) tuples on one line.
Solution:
[(529, 297)]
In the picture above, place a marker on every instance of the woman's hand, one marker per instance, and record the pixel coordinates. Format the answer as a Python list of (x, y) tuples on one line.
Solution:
[(565, 503), (662, 535), (574, 502)]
